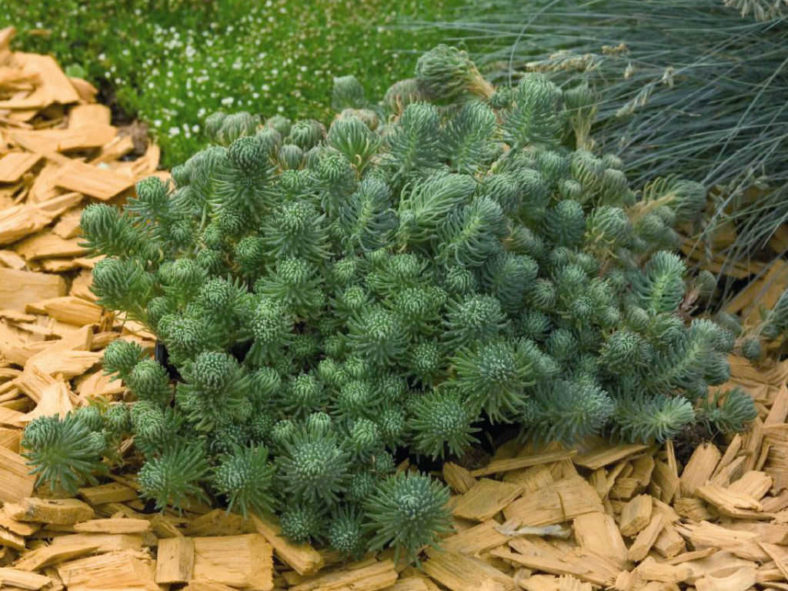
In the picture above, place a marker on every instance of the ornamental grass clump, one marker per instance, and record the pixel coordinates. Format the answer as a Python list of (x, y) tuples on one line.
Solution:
[(689, 87), (398, 281)]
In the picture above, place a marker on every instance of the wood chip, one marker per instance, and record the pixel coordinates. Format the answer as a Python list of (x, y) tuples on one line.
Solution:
[(636, 515), (606, 455), (54, 511), (646, 538), (207, 586), (89, 115), (47, 555), (55, 400), (411, 584), (101, 542), (218, 523), (557, 563), (709, 535), (651, 570), (486, 499), (733, 471), (475, 540), (113, 526), (693, 509), (48, 245), (465, 573), (699, 468), (10, 439), (8, 258), (90, 180), (9, 539), (67, 225), (87, 92), (779, 556), (558, 502), (731, 503), (73, 310), (458, 478), (6, 34), (175, 560), (751, 446), (129, 569), (44, 141), (112, 492), (12, 577), (364, 577), (16, 483), (525, 461), (55, 88), (17, 288), (14, 164), (754, 484), (665, 482), (669, 543), (597, 532), (302, 558), (739, 580), (18, 527), (69, 363)]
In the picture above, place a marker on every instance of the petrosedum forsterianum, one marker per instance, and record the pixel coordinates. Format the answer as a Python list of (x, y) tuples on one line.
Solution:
[(331, 295)]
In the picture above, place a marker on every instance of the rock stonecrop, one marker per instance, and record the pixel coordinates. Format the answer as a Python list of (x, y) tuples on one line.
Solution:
[(451, 258)]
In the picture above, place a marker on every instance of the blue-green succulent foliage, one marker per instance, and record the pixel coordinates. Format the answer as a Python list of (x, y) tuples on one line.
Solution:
[(328, 296)]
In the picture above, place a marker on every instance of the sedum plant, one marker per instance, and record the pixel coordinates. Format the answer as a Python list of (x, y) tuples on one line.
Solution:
[(397, 280)]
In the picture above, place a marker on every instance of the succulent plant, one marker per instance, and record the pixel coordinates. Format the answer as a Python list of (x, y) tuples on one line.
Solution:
[(329, 297)]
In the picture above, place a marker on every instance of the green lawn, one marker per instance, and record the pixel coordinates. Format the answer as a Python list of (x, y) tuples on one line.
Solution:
[(173, 62)]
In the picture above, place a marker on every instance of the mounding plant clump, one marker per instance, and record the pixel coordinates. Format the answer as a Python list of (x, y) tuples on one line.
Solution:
[(443, 260)]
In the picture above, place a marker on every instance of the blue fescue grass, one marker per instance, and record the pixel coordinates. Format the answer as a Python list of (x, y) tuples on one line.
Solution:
[(689, 87)]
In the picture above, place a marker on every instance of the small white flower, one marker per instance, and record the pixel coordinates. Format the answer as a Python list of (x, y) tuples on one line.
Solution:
[(173, 131), (227, 101)]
